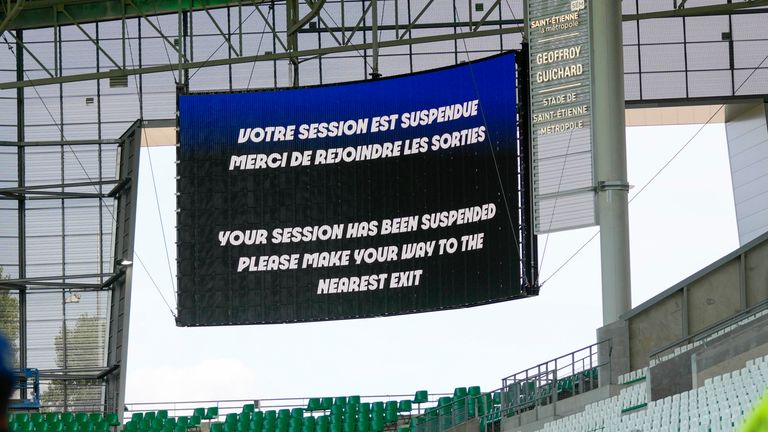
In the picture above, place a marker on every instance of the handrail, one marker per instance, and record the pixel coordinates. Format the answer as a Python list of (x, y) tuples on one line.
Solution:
[(509, 398), (711, 329)]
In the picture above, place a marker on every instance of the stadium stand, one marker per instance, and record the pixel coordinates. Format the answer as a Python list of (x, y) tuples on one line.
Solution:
[(63, 422), (719, 405)]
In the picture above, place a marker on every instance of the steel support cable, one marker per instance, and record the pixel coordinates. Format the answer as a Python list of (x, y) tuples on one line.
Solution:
[(258, 49), (221, 45), (663, 167), (365, 59), (554, 205), (512, 225), (101, 199), (152, 176), (165, 47)]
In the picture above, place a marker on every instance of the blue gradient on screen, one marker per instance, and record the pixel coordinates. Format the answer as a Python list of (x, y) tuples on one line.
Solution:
[(210, 123)]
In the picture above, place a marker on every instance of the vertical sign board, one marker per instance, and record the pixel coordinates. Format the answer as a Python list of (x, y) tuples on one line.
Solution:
[(561, 126), (368, 199)]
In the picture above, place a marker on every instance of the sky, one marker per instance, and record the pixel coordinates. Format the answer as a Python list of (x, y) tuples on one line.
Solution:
[(681, 222)]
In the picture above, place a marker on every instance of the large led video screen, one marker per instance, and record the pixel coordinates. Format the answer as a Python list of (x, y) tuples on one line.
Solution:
[(383, 197)]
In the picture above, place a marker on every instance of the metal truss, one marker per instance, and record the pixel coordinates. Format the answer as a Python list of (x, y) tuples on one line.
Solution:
[(311, 16)]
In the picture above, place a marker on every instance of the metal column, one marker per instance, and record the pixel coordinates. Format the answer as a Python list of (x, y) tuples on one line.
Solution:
[(292, 17), (375, 39), (610, 156)]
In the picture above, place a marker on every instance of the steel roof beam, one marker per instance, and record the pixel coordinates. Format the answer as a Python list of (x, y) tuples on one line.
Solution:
[(253, 58)]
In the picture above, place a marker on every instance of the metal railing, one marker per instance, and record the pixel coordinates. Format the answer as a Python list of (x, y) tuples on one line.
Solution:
[(569, 375), (708, 331)]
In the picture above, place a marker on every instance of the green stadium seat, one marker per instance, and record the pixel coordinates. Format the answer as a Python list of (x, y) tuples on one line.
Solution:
[(195, 420), (353, 399), (308, 425), (459, 392), (420, 397), (283, 422), (149, 415), (180, 427), (157, 424), (245, 417), (326, 403), (112, 419), (313, 404), (200, 412), (169, 427), (162, 414), (54, 427), (145, 424), (182, 421), (391, 407), (297, 412), (444, 401), (52, 417), (352, 408), (210, 414), (377, 407), (496, 398), (217, 427), (336, 418), (36, 418), (249, 408), (319, 427), (405, 405), (364, 408), (102, 426), (136, 417), (21, 418), (391, 416), (231, 418), (340, 400), (284, 413), (270, 415), (363, 424), (377, 424), (257, 416), (230, 427)]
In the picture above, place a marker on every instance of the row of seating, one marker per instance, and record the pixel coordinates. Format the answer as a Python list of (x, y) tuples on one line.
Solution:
[(721, 404), (159, 421), (62, 422), (466, 403)]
